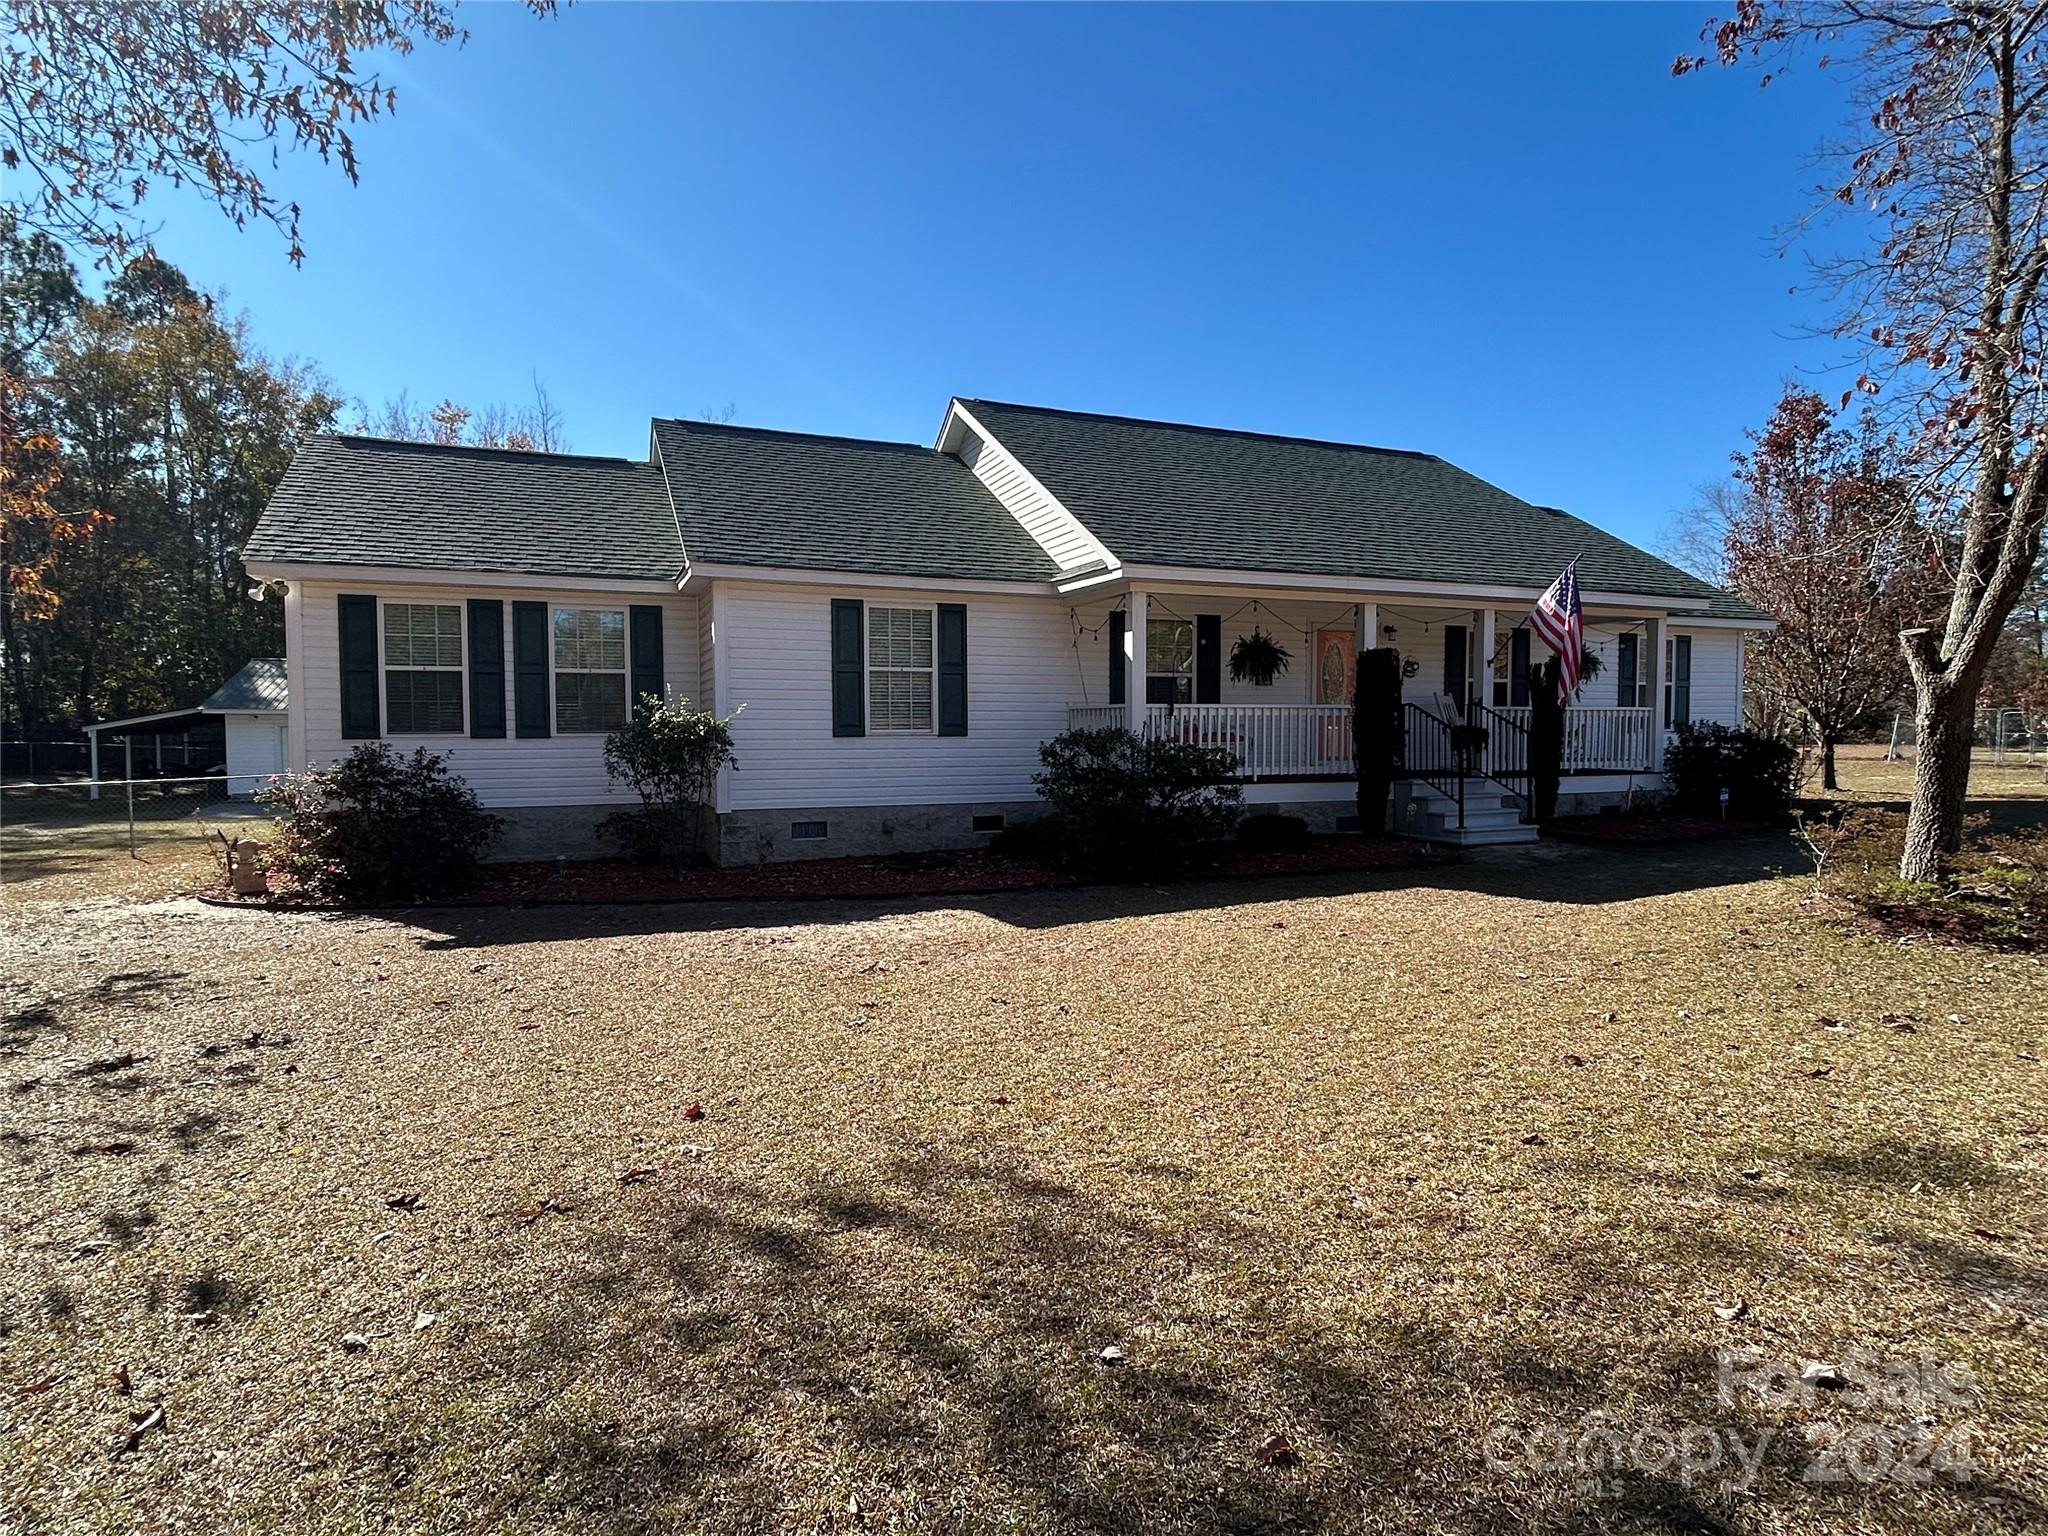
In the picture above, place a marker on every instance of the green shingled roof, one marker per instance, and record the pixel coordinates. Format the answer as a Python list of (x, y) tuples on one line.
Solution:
[(258, 688), (375, 501), (749, 496), (1161, 493)]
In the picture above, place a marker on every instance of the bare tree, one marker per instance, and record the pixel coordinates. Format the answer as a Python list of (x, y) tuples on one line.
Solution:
[(1949, 152), (535, 427), (99, 102)]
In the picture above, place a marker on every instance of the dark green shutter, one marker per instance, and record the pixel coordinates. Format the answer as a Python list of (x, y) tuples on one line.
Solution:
[(1456, 673), (1518, 668), (1681, 680), (530, 669), (849, 688), (644, 625), (486, 667), (1117, 622), (358, 620), (1625, 666), (1208, 658), (952, 669)]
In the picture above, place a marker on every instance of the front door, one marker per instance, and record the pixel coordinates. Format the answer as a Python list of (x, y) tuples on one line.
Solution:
[(1336, 681)]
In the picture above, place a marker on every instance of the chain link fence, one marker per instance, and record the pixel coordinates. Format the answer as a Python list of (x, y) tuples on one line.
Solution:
[(77, 819), (2007, 737)]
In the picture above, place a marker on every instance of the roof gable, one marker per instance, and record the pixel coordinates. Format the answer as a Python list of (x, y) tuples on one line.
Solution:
[(1164, 493)]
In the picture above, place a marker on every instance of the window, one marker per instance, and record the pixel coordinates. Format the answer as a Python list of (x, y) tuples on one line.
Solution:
[(988, 823), (590, 669), (422, 669), (807, 831), (1169, 661), (1677, 681), (899, 669), (1631, 688)]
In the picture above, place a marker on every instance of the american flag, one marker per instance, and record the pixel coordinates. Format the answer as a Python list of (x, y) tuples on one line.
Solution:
[(1557, 619)]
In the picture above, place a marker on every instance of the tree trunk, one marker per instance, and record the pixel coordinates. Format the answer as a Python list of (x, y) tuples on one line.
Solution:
[(1827, 763), (1944, 721)]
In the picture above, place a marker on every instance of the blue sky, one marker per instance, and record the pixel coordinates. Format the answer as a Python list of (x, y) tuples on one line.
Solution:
[(1501, 234)]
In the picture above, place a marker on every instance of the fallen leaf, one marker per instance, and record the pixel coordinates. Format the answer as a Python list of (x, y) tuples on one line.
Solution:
[(1820, 1072), (1112, 1354), (1535, 1139), (1276, 1450), (204, 1319), (1752, 1173), (407, 1201), (119, 1377), (1990, 1236), (355, 1343), (1733, 1311), (37, 1388), (638, 1175), (142, 1423), (424, 1320), (694, 1112), (1573, 1059), (1816, 1373)]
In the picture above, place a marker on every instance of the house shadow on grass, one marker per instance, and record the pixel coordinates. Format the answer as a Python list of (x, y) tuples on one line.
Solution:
[(922, 1347), (1544, 872)]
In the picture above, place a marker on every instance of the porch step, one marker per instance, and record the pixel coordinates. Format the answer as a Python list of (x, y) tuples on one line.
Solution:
[(1489, 819)]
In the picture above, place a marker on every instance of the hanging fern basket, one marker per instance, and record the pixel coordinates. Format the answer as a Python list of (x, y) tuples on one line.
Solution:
[(1258, 658)]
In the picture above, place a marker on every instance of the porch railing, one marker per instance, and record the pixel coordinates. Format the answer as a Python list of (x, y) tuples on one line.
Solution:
[(1097, 717), (1271, 741), (1599, 740)]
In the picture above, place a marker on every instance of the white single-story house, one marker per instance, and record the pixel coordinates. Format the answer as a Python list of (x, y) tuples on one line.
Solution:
[(904, 626), (251, 708)]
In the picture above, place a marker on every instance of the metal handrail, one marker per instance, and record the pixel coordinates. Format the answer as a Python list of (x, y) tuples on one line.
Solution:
[(1505, 757), (1427, 754)]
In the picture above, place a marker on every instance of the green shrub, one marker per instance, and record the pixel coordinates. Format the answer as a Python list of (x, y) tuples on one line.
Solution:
[(1272, 834), (670, 754), (1126, 808), (1761, 773), (379, 827), (1995, 892)]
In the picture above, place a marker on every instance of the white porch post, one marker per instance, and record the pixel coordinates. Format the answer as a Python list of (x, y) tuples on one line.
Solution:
[(1653, 642), (93, 739), (1368, 635), (1134, 658), (1484, 679)]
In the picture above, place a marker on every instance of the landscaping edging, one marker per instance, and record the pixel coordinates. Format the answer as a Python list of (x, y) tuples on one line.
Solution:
[(611, 882), (1648, 831)]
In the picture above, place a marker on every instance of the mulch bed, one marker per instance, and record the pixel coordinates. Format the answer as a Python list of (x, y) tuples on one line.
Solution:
[(1646, 831), (964, 873)]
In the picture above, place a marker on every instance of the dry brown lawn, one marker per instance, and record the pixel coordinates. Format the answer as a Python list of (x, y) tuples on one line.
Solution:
[(1379, 1167), (1866, 775)]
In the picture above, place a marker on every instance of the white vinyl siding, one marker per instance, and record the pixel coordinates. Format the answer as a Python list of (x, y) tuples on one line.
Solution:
[(1058, 532), (777, 662), (1716, 675), (507, 771)]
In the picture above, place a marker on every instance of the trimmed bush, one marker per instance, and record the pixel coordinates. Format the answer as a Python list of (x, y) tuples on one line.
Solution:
[(670, 754), (379, 827), (1126, 808), (1273, 834), (1761, 773), (1376, 735)]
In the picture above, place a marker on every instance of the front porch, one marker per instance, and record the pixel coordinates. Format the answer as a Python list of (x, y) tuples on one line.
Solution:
[(1307, 743)]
